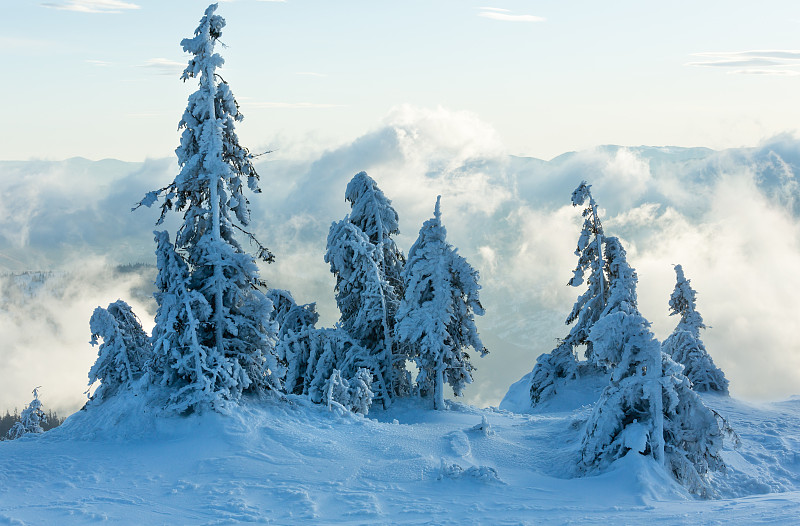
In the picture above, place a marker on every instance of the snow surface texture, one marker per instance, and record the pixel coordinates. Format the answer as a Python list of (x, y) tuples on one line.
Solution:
[(297, 463)]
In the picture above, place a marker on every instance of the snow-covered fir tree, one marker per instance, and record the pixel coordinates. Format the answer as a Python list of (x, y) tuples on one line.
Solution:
[(648, 406), (684, 344), (562, 362), (436, 316), (30, 420), (236, 334), (372, 212), (295, 338), (361, 295), (181, 360), (125, 352)]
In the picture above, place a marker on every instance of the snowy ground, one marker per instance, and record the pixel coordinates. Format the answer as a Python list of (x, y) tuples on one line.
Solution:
[(290, 463)]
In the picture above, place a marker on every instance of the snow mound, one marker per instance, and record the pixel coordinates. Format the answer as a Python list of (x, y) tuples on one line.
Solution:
[(570, 394), (293, 462)]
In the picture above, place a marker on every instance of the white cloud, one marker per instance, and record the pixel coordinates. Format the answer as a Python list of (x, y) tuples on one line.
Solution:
[(496, 13), (776, 72), (99, 63), (310, 74), (737, 63), (755, 62), (727, 217), (293, 105), (93, 6), (46, 334), (164, 66), (769, 53)]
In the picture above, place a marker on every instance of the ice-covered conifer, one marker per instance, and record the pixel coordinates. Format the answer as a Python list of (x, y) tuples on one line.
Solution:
[(295, 332), (562, 362), (361, 295), (648, 407), (30, 420), (436, 316), (125, 351), (209, 190), (684, 344), (181, 360), (372, 212), (589, 307)]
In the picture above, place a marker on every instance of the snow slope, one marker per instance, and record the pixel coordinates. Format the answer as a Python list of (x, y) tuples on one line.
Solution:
[(294, 463)]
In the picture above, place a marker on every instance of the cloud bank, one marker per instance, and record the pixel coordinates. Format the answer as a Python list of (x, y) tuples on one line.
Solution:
[(93, 6), (505, 15), (731, 218)]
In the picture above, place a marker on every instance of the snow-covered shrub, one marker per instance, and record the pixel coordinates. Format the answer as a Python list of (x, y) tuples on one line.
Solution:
[(648, 406), (562, 363), (354, 395), (436, 316), (334, 350), (361, 394), (30, 420), (125, 351), (295, 328), (684, 344), (549, 369)]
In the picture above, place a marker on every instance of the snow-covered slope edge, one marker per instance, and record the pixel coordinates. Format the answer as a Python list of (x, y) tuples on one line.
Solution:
[(271, 461)]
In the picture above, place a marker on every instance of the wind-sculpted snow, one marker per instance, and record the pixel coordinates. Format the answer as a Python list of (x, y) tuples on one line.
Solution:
[(123, 462)]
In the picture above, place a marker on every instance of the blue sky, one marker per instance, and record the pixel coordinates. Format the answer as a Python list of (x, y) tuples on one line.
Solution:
[(99, 78)]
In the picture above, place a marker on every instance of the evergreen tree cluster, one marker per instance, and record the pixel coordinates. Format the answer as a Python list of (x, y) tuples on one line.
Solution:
[(650, 405), (220, 333)]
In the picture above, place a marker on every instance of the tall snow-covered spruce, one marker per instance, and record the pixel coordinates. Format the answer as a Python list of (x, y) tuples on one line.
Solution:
[(367, 265), (684, 344), (648, 407), (295, 338), (372, 212), (227, 340), (562, 363), (436, 316)]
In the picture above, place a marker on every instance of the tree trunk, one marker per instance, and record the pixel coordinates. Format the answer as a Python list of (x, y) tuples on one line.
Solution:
[(438, 389)]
